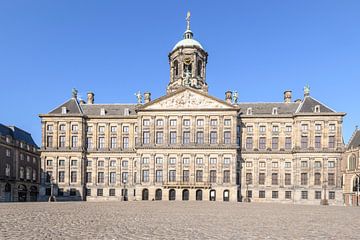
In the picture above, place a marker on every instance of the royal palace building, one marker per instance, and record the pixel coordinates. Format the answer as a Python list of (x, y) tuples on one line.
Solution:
[(189, 145)]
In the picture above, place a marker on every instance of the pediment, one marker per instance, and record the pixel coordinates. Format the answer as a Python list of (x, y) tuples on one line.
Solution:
[(187, 99)]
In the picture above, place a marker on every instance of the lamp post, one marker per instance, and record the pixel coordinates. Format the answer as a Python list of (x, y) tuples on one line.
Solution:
[(247, 199), (324, 201), (124, 191), (357, 188)]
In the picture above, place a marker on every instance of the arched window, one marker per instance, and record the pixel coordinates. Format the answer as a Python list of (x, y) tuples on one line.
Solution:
[(352, 162), (145, 194), (199, 195), (226, 196), (158, 194), (199, 68), (185, 195), (172, 195), (176, 68), (187, 69)]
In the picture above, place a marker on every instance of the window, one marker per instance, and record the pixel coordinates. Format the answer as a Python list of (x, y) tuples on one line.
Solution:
[(213, 176), (61, 176), (89, 142), (176, 68), (145, 160), (49, 142), (318, 142), (200, 137), (212, 161), (111, 192), (73, 163), (200, 122), (101, 142), (226, 176), (145, 175), (249, 179), (159, 122), (249, 194), (332, 127), (172, 122), (199, 161), (49, 128), (288, 143), (112, 177), (172, 161), (125, 142), (186, 161), (100, 177), (331, 164), (159, 138), (186, 122), (158, 160), (261, 178), (21, 172), (159, 176), (74, 141), (61, 163), (275, 194), (74, 128), (331, 179), (287, 194), (227, 122), (213, 122), (101, 129), (124, 177), (146, 122), (22, 157), (88, 177), (249, 164), (62, 127), (262, 143), (352, 163), (275, 143), (317, 164), (62, 141), (317, 127), (249, 111), (249, 129), (48, 175), (113, 129), (331, 142), (227, 137), (304, 179), (73, 176), (125, 163), (304, 195), (213, 137), (274, 179), (275, 164), (304, 164), (275, 129), (304, 127), (261, 194), (199, 175), (226, 161), (100, 192), (113, 142), (100, 163), (288, 129), (88, 192), (146, 137), (262, 129), (332, 195), (287, 179), (249, 143), (317, 180), (172, 137), (304, 142), (72, 192), (172, 176), (262, 164), (49, 162), (186, 138), (274, 111)]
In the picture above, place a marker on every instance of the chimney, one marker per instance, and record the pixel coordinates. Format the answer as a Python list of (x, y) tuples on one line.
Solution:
[(287, 96), (228, 97), (147, 97), (90, 98)]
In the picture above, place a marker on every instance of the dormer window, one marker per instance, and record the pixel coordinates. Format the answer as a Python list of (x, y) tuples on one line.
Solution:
[(126, 112), (275, 111), (249, 111), (317, 109), (102, 112), (63, 110)]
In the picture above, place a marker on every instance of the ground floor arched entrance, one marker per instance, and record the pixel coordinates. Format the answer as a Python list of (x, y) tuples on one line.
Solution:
[(226, 196), (199, 195), (172, 195), (158, 194), (212, 195), (7, 197), (145, 194), (33, 193), (22, 193), (185, 195)]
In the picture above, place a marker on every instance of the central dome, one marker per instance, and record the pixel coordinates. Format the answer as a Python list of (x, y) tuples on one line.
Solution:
[(189, 42)]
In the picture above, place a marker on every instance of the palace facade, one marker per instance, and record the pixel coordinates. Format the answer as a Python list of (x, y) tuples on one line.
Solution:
[(189, 145)]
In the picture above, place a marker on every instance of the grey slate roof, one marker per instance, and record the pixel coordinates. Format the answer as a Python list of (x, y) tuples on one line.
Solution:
[(72, 107), (17, 134), (110, 109), (267, 108), (309, 103), (355, 140)]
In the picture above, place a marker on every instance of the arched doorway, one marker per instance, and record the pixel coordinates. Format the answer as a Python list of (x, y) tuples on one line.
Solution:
[(212, 195), (226, 195), (7, 192), (185, 195), (158, 194), (145, 194), (172, 195), (22, 192), (199, 195), (33, 193)]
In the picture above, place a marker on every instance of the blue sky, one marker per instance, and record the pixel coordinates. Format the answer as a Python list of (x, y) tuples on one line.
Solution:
[(115, 48)]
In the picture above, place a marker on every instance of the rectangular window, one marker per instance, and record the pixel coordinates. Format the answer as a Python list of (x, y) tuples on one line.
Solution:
[(275, 143), (124, 177), (101, 142), (249, 179), (275, 194), (304, 127), (287, 194), (249, 129), (332, 127), (159, 122), (100, 163), (113, 129), (304, 179), (226, 161), (317, 194), (125, 142), (112, 177), (159, 176), (304, 164), (262, 129), (186, 176), (145, 175), (112, 192), (304, 142), (49, 162), (173, 122), (288, 129), (172, 161), (249, 194), (88, 192), (145, 160), (213, 137), (186, 161), (199, 161), (332, 195), (146, 122), (61, 176), (89, 143), (88, 177), (318, 142), (213, 176), (304, 195), (172, 137), (113, 142), (262, 143), (261, 178), (249, 143), (100, 192), (287, 179), (331, 179), (331, 164), (226, 176), (200, 137), (288, 143), (101, 129), (261, 194), (317, 164), (172, 176), (262, 164), (274, 179), (287, 164), (100, 177), (62, 141), (227, 137), (317, 180), (186, 122), (317, 127), (146, 137), (227, 122), (200, 122), (159, 137), (186, 138), (213, 161), (73, 163), (73, 176), (275, 129), (331, 142), (159, 160), (49, 141), (213, 122)]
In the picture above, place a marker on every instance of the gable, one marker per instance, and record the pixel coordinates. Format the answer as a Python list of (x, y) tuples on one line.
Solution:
[(187, 99), (309, 104)]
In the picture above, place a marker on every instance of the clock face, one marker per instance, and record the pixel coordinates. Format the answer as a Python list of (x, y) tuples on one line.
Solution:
[(187, 61)]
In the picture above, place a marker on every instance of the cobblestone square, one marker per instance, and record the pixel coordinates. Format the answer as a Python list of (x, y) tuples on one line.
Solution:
[(176, 220)]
